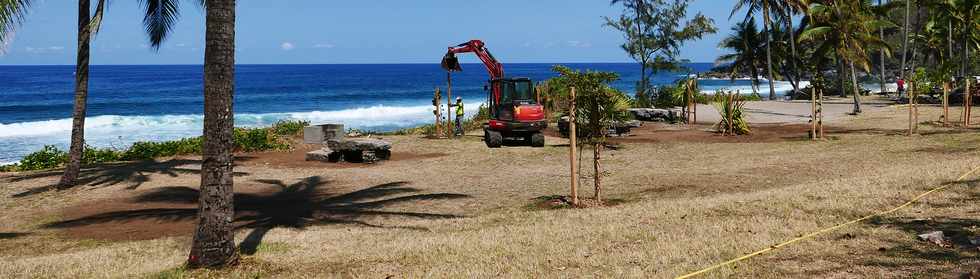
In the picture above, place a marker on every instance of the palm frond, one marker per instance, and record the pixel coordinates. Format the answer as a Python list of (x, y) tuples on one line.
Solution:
[(159, 19), (12, 12)]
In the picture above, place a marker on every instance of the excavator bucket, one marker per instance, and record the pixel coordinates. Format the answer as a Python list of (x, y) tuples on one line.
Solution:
[(451, 63)]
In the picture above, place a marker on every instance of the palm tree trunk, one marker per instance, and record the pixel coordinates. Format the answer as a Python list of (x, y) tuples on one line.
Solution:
[(881, 56), (77, 146), (596, 148), (765, 15), (905, 39), (795, 80), (214, 242), (857, 93), (842, 76), (915, 53), (966, 44)]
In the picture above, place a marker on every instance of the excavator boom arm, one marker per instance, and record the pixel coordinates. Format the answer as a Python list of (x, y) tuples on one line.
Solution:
[(494, 68)]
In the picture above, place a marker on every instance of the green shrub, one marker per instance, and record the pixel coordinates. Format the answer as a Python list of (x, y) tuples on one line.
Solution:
[(146, 150), (100, 155), (256, 139), (249, 140), (46, 158), (289, 127)]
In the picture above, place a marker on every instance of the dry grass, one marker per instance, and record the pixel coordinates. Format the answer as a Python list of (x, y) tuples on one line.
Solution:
[(687, 206)]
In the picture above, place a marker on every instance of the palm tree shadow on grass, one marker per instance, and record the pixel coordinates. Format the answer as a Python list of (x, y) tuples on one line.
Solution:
[(134, 174), (298, 206)]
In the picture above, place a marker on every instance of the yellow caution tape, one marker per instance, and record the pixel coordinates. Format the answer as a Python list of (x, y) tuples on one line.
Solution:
[(812, 234)]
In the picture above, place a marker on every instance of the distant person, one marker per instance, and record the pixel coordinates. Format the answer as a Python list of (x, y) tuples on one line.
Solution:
[(901, 86), (459, 115)]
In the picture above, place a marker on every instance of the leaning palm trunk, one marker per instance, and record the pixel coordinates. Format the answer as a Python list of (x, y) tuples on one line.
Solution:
[(765, 15), (857, 91), (214, 242), (77, 146)]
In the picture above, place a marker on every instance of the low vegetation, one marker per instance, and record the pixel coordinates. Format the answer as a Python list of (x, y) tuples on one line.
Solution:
[(276, 137), (473, 123)]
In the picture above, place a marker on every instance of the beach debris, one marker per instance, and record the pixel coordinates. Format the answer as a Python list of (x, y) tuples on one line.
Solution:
[(935, 237)]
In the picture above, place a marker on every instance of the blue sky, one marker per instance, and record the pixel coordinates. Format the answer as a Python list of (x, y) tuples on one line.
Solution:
[(380, 31)]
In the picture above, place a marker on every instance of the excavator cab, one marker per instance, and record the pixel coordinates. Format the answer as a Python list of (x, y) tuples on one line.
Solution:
[(514, 112)]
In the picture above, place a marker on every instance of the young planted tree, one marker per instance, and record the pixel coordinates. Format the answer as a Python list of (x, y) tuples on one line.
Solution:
[(597, 107), (214, 241), (654, 31)]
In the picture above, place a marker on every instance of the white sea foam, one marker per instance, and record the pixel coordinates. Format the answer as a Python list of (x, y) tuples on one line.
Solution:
[(744, 88), (19, 139)]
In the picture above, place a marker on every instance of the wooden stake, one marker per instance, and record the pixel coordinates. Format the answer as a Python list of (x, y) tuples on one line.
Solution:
[(438, 113), (946, 104), (572, 146), (910, 95), (969, 104), (820, 113), (813, 113), (450, 133)]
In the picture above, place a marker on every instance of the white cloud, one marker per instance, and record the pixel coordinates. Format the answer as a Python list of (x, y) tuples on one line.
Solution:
[(181, 45), (579, 44), (43, 50), (327, 45), (287, 46)]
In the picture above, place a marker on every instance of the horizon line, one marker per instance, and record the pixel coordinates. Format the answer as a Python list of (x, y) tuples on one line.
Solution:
[(284, 64)]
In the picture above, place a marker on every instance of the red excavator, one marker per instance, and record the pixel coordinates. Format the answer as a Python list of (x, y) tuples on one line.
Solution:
[(514, 111)]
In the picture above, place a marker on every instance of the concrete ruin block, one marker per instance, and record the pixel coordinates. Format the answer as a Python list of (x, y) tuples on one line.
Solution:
[(319, 134), (358, 145), (322, 155)]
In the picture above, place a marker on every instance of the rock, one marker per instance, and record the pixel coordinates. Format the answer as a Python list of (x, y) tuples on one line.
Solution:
[(362, 150), (655, 114), (936, 237), (322, 155), (318, 134), (358, 145)]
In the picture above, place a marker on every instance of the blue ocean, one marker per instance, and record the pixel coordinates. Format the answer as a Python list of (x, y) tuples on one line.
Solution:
[(154, 103)]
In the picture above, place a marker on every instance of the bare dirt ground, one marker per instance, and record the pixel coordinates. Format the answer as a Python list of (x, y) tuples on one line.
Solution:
[(685, 198)]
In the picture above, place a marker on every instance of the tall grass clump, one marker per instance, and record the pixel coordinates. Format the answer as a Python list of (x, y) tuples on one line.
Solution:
[(729, 105)]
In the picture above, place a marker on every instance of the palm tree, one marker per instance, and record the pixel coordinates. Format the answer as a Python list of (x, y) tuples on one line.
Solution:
[(11, 14), (844, 27), (214, 242), (743, 42), (755, 6), (87, 26), (786, 12), (905, 36)]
